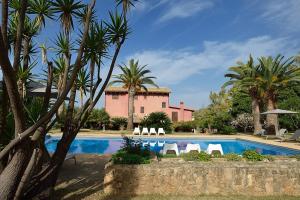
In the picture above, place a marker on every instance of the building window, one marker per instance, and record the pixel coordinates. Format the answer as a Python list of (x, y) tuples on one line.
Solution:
[(175, 116), (115, 96), (142, 109), (145, 96), (163, 104)]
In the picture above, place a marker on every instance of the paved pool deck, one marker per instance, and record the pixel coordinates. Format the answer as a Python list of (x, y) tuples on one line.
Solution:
[(117, 134)]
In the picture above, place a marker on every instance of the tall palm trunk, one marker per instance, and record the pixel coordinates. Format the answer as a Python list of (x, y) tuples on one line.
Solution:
[(272, 119), (256, 115), (131, 93)]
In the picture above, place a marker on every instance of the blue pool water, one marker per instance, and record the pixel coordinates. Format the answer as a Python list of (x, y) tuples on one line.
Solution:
[(111, 145)]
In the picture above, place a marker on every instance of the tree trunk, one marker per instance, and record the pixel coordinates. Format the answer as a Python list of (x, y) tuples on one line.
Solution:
[(131, 94), (256, 115), (272, 119), (13, 172), (4, 112)]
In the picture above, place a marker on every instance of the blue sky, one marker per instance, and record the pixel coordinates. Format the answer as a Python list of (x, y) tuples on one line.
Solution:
[(189, 44)]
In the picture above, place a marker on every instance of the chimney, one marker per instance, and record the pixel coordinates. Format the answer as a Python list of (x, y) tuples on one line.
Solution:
[(181, 104)]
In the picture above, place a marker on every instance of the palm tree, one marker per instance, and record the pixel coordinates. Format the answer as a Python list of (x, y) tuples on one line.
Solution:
[(244, 77), (126, 5), (83, 83), (96, 49), (42, 9), (68, 9), (133, 78), (275, 74)]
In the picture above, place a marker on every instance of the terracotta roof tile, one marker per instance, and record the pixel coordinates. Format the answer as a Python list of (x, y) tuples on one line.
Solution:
[(150, 90)]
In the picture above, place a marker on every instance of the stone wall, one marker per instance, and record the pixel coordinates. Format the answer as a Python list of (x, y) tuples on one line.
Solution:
[(199, 178)]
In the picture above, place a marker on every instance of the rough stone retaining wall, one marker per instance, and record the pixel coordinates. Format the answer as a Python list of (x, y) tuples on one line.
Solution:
[(199, 178)]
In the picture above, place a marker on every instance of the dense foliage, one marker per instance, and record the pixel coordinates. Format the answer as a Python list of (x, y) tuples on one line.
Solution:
[(132, 152), (252, 155), (97, 119), (118, 123), (157, 120), (188, 126), (195, 156)]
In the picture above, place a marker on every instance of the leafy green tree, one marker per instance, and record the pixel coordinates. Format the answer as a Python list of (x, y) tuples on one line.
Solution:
[(97, 118), (157, 120), (241, 102), (134, 78)]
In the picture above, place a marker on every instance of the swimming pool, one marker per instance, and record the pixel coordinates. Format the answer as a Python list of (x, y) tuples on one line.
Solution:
[(111, 145)]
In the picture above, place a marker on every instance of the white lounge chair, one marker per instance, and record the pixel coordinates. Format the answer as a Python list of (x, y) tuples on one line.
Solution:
[(161, 131), (294, 137), (191, 147), (214, 147), (282, 132), (136, 131), (152, 131), (169, 147), (145, 131), (160, 144), (152, 144)]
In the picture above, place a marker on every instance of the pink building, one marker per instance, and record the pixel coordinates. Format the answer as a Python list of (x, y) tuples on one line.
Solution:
[(155, 100)]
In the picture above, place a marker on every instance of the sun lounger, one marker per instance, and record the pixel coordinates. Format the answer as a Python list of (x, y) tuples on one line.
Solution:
[(170, 148), (294, 137), (145, 131), (214, 147), (152, 131), (262, 132), (191, 147), (136, 131), (161, 131)]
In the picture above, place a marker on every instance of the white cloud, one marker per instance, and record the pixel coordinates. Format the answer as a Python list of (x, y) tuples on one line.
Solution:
[(173, 67), (285, 13), (184, 9)]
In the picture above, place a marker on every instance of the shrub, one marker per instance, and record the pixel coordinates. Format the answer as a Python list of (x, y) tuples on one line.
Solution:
[(184, 126), (216, 154), (118, 123), (157, 120), (123, 157), (97, 119), (191, 156), (132, 152), (252, 155), (227, 130), (204, 156), (232, 157), (195, 156)]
